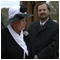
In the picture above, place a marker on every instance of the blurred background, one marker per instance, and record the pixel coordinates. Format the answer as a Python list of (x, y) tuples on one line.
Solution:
[(31, 10)]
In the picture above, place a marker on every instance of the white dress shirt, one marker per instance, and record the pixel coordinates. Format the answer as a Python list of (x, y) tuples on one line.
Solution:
[(43, 22)]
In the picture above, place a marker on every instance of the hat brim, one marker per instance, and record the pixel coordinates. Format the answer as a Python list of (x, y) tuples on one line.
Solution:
[(27, 15), (19, 17)]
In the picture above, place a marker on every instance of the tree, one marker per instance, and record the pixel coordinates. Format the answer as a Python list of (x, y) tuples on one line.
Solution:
[(4, 17), (54, 5)]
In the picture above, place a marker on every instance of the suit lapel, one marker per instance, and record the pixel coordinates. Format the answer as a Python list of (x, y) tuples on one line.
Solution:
[(41, 29), (47, 25), (38, 28)]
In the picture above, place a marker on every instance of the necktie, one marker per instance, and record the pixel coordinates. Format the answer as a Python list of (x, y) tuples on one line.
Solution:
[(41, 25)]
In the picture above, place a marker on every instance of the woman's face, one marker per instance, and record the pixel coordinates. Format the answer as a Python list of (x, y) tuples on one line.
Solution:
[(19, 25)]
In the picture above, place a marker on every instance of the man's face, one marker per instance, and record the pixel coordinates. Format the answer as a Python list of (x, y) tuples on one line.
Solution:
[(43, 12)]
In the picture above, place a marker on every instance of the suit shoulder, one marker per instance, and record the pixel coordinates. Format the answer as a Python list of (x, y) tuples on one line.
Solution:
[(55, 23)]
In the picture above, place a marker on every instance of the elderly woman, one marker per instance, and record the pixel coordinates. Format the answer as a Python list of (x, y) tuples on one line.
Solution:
[(15, 43)]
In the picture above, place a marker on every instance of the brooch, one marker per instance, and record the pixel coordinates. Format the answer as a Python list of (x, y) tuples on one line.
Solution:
[(25, 33)]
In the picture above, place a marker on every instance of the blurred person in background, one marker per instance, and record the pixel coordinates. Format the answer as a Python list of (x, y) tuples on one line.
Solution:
[(2, 25)]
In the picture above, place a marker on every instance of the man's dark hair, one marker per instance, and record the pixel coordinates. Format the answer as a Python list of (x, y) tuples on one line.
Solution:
[(42, 4)]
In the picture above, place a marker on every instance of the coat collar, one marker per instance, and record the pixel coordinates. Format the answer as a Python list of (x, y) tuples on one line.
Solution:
[(47, 25)]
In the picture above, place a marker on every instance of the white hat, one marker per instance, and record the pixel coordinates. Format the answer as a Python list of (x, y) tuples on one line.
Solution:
[(16, 13), (12, 11)]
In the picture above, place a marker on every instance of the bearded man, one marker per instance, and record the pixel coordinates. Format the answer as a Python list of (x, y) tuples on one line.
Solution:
[(44, 34)]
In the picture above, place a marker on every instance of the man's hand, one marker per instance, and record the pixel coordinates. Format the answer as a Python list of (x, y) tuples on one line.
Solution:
[(35, 57)]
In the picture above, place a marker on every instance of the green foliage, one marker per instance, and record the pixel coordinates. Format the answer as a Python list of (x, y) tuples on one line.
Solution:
[(54, 5), (4, 17)]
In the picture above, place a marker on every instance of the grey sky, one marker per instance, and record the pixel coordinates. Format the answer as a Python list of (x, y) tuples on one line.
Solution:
[(9, 3)]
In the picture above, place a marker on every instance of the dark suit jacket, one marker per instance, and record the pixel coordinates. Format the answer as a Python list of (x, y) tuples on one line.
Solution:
[(10, 49), (45, 39)]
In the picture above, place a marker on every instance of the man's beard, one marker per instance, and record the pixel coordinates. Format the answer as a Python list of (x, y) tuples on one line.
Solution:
[(43, 18)]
